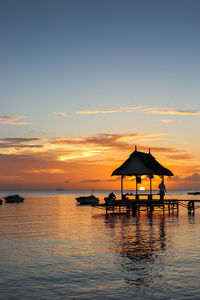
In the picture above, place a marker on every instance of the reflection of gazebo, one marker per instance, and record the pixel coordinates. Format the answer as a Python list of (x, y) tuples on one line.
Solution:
[(138, 164)]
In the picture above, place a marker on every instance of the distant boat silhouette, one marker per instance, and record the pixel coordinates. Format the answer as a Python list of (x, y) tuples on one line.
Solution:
[(14, 199), (194, 193), (87, 200)]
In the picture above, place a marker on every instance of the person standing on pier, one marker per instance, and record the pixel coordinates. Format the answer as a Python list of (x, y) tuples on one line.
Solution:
[(162, 190)]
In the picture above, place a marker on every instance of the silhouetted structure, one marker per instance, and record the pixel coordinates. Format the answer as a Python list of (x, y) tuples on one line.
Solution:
[(138, 164)]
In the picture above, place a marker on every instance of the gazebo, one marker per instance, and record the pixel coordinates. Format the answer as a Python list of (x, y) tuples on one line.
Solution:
[(138, 164)]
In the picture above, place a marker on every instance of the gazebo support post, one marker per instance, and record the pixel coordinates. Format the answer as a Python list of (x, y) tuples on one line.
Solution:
[(136, 189), (163, 179), (122, 177), (150, 195)]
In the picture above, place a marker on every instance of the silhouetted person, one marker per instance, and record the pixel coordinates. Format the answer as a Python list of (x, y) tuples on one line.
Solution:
[(162, 190), (111, 196)]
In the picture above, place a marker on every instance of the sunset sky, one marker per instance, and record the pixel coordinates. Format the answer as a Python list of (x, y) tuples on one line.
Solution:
[(84, 81)]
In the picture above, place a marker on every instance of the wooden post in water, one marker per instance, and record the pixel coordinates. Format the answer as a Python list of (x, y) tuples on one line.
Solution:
[(191, 207), (106, 209), (134, 209)]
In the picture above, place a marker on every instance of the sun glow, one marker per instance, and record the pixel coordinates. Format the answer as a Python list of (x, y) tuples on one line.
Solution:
[(142, 188)]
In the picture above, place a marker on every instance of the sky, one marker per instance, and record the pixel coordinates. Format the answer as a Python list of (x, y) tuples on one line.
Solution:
[(84, 81)]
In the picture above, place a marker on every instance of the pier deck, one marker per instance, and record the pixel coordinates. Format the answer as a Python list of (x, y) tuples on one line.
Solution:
[(132, 206)]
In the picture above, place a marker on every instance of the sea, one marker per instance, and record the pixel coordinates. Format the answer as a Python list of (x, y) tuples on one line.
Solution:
[(53, 248)]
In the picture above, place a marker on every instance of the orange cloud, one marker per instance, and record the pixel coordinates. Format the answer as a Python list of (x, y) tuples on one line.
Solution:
[(48, 162), (108, 141), (76, 148), (82, 154), (121, 110), (100, 180), (20, 143), (163, 111), (13, 120), (87, 112), (147, 110), (173, 112), (193, 177), (46, 171)]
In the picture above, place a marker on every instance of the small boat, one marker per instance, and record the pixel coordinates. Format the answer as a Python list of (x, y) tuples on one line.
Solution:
[(14, 199), (87, 200), (194, 193)]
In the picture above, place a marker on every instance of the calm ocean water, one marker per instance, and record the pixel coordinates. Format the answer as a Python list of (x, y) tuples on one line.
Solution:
[(52, 248)]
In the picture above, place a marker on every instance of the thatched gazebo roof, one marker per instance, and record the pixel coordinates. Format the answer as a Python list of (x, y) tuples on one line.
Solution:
[(140, 163)]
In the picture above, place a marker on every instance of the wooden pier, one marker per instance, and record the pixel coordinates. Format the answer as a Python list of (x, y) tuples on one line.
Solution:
[(129, 206), (141, 164)]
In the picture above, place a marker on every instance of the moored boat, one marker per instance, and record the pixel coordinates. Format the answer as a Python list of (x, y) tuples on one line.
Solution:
[(14, 199), (194, 193), (87, 200)]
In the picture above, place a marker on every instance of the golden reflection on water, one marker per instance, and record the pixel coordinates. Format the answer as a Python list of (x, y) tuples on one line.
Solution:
[(140, 241), (77, 246)]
